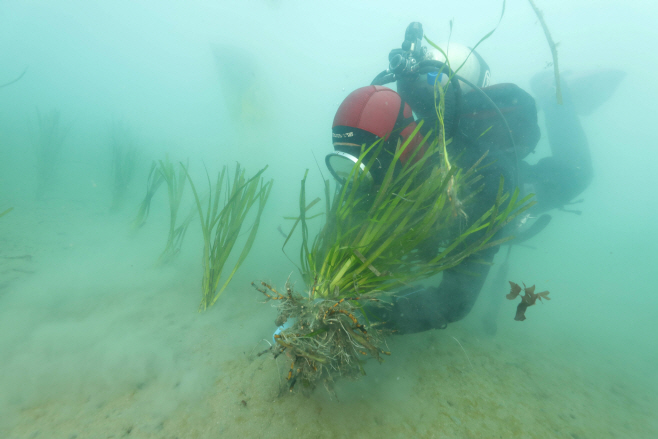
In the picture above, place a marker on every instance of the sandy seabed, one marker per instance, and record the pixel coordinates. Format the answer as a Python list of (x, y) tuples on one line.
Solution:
[(97, 344)]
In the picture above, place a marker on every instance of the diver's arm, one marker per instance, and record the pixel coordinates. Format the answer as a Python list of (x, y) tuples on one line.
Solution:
[(419, 308), (559, 178)]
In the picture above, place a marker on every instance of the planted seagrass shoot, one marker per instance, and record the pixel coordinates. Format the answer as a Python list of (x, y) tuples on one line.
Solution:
[(175, 188), (226, 211), (155, 179), (163, 171), (373, 241)]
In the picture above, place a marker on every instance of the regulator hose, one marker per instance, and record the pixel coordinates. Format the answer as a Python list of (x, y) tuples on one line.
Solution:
[(429, 65)]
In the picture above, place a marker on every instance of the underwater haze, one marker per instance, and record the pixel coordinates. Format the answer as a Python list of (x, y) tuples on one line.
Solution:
[(99, 340)]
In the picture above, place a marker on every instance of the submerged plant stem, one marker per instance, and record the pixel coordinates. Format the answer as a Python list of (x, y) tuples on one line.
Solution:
[(553, 47)]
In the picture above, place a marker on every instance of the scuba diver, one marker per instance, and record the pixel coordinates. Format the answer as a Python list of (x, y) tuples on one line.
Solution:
[(500, 120)]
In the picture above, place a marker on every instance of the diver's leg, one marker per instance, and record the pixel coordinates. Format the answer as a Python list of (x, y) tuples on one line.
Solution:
[(495, 299)]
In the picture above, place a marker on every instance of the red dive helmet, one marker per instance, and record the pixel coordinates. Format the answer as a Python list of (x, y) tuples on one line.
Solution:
[(365, 116)]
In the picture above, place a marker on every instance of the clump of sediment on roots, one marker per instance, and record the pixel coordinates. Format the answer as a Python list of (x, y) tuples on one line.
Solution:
[(327, 338)]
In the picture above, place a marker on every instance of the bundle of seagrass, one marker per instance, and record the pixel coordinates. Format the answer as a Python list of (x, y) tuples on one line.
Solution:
[(368, 247)]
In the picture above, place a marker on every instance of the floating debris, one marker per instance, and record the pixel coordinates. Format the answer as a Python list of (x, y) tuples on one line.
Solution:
[(528, 299)]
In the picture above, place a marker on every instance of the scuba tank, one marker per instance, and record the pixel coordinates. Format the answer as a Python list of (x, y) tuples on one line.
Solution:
[(500, 119)]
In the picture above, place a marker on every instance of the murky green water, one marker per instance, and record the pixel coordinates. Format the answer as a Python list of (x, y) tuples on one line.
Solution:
[(98, 342)]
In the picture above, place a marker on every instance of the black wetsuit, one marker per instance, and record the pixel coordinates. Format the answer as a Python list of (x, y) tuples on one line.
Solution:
[(555, 180)]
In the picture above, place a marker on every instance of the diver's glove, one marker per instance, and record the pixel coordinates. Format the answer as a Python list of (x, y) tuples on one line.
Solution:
[(414, 309), (288, 324), (556, 181)]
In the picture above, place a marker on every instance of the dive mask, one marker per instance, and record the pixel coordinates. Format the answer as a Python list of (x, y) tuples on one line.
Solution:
[(341, 164), (345, 158)]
